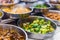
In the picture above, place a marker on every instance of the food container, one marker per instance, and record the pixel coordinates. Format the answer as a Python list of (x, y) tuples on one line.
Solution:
[(7, 27), (37, 36), (9, 4), (43, 7), (55, 16), (18, 12)]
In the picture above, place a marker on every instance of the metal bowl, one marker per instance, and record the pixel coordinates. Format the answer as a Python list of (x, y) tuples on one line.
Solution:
[(17, 15), (21, 16), (40, 9), (9, 4), (16, 28), (40, 2), (56, 21), (37, 36)]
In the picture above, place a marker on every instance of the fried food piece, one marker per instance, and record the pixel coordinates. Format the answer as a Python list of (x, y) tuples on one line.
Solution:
[(53, 15)]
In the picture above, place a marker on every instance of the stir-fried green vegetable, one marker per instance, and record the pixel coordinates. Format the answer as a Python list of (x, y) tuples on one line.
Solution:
[(40, 6), (38, 26)]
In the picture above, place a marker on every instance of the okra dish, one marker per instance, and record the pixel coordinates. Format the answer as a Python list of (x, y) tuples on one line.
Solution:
[(40, 26)]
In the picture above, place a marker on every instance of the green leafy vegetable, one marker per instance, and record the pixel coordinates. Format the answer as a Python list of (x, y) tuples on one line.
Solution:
[(40, 6)]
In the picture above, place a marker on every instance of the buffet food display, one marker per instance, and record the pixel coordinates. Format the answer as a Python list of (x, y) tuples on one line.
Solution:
[(27, 23)]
